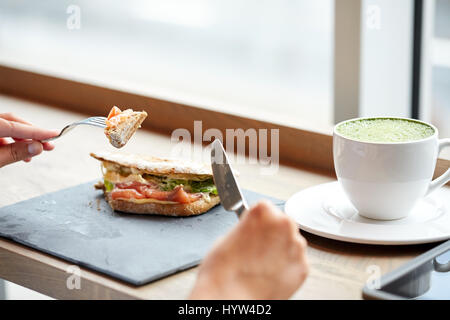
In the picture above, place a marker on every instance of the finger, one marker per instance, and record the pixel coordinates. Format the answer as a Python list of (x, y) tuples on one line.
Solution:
[(48, 146), (5, 141), (265, 207), (18, 151), (23, 131), (12, 117)]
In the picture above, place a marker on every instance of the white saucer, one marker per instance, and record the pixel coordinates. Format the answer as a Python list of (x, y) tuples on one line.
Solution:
[(325, 211)]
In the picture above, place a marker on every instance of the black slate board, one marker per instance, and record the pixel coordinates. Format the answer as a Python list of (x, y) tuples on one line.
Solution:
[(76, 224)]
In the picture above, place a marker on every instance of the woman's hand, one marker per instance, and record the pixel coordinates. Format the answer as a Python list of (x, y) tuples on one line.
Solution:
[(20, 140), (263, 257)]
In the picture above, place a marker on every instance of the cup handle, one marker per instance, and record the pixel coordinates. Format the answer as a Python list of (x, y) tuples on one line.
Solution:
[(443, 178)]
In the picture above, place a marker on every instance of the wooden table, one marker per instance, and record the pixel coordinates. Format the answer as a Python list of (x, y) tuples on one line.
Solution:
[(338, 269)]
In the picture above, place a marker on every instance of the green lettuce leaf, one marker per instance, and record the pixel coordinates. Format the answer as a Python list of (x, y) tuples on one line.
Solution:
[(170, 184), (206, 186), (109, 186)]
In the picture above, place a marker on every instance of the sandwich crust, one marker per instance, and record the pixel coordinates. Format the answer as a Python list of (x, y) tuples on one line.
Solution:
[(119, 135), (155, 165), (177, 210)]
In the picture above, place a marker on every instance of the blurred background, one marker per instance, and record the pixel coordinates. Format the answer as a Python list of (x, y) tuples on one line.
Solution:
[(264, 59), (273, 60), (258, 56)]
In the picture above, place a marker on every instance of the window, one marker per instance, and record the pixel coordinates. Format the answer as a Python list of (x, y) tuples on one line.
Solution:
[(435, 88), (440, 59), (294, 62), (264, 59)]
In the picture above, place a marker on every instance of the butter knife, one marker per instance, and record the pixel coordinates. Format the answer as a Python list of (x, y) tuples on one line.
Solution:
[(229, 192)]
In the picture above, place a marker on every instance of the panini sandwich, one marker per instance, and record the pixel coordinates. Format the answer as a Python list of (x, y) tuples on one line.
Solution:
[(151, 185)]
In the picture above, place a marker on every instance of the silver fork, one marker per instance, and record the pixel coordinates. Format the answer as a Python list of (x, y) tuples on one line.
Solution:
[(92, 121)]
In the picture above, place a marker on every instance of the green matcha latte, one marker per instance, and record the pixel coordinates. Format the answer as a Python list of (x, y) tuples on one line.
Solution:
[(385, 130)]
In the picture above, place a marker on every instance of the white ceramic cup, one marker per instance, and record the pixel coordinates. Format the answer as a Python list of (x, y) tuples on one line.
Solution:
[(385, 180)]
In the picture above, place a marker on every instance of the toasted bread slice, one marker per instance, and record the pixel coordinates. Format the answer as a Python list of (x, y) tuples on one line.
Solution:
[(126, 124), (177, 210), (173, 168)]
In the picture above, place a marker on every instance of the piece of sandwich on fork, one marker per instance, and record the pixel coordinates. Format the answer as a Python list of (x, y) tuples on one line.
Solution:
[(152, 185), (121, 125)]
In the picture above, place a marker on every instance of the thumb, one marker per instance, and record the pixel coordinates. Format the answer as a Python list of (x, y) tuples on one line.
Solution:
[(18, 151)]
